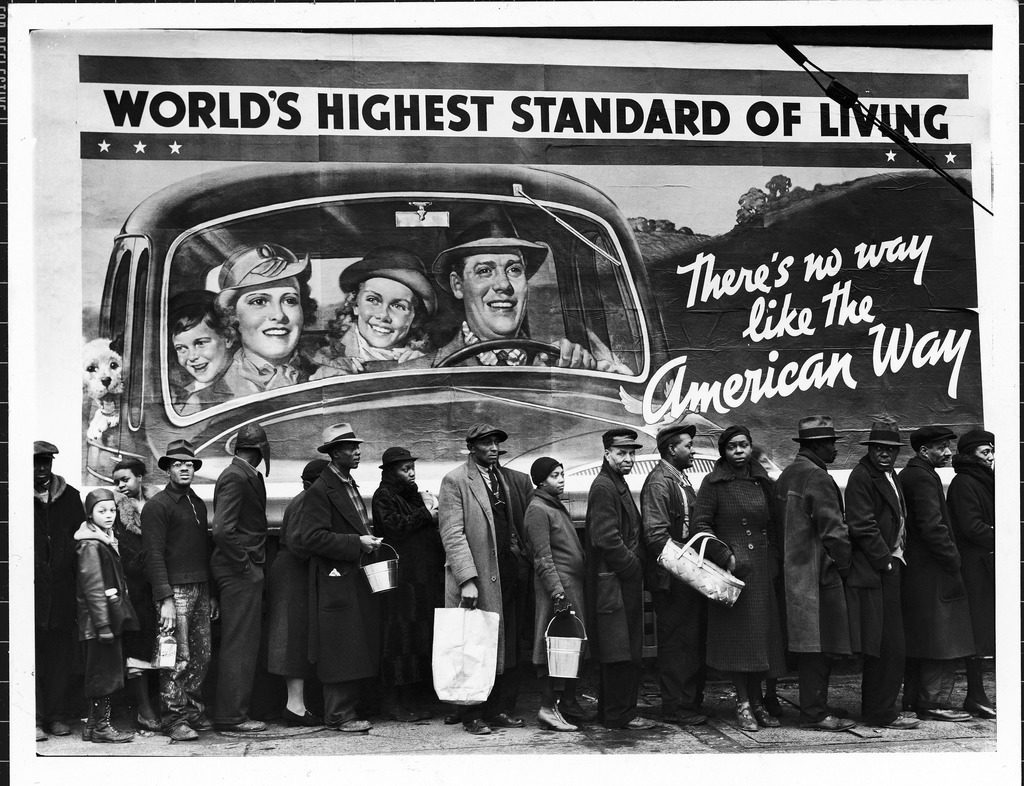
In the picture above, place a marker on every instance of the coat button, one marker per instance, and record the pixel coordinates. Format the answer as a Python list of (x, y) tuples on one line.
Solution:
[(750, 546), (748, 531), (494, 578)]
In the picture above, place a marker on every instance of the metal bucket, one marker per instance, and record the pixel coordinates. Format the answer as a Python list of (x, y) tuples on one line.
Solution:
[(383, 575), (565, 653)]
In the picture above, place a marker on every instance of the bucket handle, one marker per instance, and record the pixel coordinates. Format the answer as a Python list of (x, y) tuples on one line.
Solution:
[(386, 545), (703, 537), (579, 622)]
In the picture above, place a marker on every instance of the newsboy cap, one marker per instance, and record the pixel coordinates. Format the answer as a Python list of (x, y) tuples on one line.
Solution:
[(312, 470), (483, 237), (43, 448), (620, 438), (396, 264), (336, 434), (883, 432), (394, 455), (815, 427), (929, 434), (179, 450), (972, 439), (670, 432), (481, 430)]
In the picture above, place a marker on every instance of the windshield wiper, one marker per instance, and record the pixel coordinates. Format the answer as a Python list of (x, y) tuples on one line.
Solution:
[(517, 190)]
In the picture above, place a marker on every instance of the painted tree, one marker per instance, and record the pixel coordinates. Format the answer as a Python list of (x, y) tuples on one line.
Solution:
[(778, 186), (752, 204)]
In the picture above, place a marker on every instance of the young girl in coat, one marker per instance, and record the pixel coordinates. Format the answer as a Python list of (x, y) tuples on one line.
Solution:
[(104, 612)]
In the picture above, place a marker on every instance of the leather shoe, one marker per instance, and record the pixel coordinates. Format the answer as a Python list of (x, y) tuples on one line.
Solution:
[(451, 719), (201, 723), (773, 705), (244, 726), (685, 718), (902, 723), (640, 724), (147, 724), (40, 734), (942, 714), (980, 709), (549, 718), (306, 719), (353, 726), (839, 712), (829, 723), (745, 720), (59, 729), (476, 726), (182, 732), (574, 713), (505, 721), (763, 717)]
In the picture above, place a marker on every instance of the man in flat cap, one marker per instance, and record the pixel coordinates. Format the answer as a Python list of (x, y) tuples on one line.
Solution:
[(480, 513), (876, 514), (488, 268), (239, 555), (58, 511), (666, 501), (174, 537), (936, 615), (815, 560), (615, 584), (333, 531)]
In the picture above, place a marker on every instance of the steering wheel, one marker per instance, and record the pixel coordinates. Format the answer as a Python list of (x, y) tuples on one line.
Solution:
[(532, 347)]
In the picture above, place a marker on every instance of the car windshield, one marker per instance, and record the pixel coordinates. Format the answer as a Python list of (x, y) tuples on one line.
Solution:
[(332, 288)]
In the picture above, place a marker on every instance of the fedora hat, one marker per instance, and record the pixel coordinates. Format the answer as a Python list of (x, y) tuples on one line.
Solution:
[(816, 427), (883, 433), (481, 430), (490, 236), (178, 450), (252, 435), (394, 455), (336, 434), (396, 264), (620, 438), (259, 265)]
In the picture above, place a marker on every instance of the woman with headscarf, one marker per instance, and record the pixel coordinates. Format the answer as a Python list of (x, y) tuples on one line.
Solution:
[(558, 589), (745, 640), (971, 501), (407, 520), (287, 622)]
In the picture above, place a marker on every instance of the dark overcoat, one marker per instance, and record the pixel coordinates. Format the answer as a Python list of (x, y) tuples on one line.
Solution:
[(972, 509), (466, 523), (557, 562), (936, 615), (100, 582), (873, 513), (239, 519), (614, 570), (746, 637), (288, 600), (55, 525), (344, 615), (816, 556)]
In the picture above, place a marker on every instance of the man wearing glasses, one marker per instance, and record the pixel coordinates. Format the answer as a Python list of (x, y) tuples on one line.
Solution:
[(174, 536)]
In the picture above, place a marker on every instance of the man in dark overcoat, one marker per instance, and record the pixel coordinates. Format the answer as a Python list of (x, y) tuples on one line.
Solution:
[(480, 516), (615, 583), (681, 612), (815, 560), (876, 515), (333, 532), (57, 507), (936, 615), (237, 565)]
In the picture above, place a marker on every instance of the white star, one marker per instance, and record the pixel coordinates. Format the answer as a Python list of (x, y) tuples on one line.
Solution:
[(175, 148), (104, 146), (890, 155), (950, 158), (139, 147)]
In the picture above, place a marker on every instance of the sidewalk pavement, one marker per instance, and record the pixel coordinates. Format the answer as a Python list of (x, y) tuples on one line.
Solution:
[(433, 737)]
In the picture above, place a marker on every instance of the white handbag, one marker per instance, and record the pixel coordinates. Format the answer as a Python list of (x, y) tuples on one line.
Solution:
[(689, 566)]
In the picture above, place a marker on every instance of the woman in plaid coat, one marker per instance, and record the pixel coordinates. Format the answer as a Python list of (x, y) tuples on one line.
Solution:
[(745, 640)]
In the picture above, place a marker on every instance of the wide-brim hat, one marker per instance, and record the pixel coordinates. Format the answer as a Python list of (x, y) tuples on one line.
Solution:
[(43, 448), (973, 438), (483, 237), (929, 434), (259, 265), (395, 455), (481, 430), (396, 264), (816, 427), (179, 450), (883, 433), (252, 435), (620, 438), (667, 433), (336, 434)]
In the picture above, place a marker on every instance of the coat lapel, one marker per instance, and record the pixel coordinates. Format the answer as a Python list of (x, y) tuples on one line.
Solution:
[(338, 496), (479, 490)]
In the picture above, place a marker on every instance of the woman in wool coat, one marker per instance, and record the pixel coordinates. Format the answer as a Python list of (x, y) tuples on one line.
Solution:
[(971, 501), (558, 589), (744, 640)]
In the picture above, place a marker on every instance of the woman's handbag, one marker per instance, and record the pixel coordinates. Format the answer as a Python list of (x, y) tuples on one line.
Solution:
[(690, 567), (465, 654)]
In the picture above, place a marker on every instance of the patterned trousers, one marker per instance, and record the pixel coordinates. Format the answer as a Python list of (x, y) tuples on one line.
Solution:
[(181, 688)]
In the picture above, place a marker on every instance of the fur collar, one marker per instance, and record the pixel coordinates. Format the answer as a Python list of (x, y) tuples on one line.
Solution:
[(723, 472), (89, 531), (57, 487)]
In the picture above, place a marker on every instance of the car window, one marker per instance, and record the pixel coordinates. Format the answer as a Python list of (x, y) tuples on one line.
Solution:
[(270, 330)]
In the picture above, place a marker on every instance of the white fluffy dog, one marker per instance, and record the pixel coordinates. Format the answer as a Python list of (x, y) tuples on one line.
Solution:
[(102, 383)]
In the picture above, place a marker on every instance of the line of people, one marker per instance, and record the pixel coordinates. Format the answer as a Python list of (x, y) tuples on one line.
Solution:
[(897, 572)]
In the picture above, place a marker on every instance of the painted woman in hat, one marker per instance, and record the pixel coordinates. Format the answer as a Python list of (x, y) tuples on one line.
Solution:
[(387, 301), (407, 520), (971, 501), (264, 302)]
